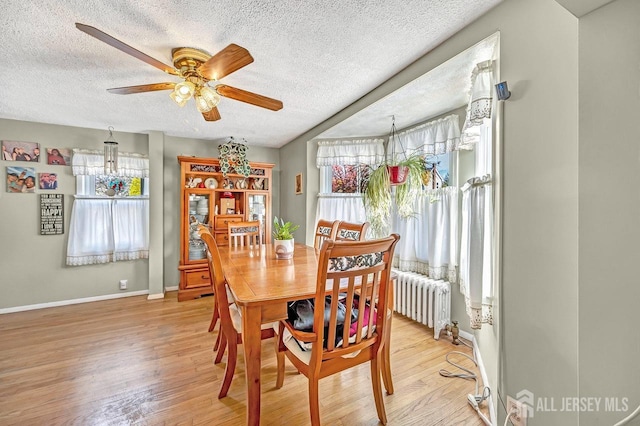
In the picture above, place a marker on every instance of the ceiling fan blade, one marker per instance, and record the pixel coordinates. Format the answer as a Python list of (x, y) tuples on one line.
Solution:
[(142, 88), (248, 97), (102, 36), (223, 63), (212, 115)]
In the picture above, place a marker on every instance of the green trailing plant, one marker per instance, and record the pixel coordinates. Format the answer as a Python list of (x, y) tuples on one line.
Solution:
[(379, 198), (283, 230)]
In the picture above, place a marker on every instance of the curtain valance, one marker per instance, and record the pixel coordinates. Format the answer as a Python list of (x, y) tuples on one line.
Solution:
[(349, 152), (480, 101), (432, 138), (90, 162)]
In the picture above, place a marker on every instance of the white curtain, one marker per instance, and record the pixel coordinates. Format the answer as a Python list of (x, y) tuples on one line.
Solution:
[(476, 278), (428, 243), (91, 163), (106, 229), (347, 207), (480, 102), (350, 152), (432, 138)]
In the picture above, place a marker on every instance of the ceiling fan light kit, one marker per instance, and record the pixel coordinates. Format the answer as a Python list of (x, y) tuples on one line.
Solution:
[(197, 68)]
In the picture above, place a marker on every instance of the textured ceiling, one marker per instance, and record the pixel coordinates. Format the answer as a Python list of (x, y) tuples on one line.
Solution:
[(317, 57)]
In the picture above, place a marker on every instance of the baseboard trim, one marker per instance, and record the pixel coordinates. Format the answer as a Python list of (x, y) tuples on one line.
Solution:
[(72, 301), (174, 288), (155, 296)]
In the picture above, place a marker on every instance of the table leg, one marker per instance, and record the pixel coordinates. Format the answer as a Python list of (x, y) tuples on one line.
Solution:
[(251, 342)]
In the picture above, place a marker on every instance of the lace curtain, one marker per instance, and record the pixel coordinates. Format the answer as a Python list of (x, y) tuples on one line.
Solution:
[(347, 207), (428, 243), (350, 152), (105, 230), (476, 276), (432, 138), (91, 163), (480, 102)]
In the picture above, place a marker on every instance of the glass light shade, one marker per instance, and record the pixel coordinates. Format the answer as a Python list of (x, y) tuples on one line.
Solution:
[(178, 99), (210, 95), (206, 99), (185, 89), (110, 157), (202, 104)]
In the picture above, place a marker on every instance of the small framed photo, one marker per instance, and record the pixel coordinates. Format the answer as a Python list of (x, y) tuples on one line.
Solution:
[(58, 156), (48, 180), (299, 183), (231, 211), (20, 151)]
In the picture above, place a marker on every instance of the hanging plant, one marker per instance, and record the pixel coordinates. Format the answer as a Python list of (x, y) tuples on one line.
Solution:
[(233, 156), (404, 175), (380, 195)]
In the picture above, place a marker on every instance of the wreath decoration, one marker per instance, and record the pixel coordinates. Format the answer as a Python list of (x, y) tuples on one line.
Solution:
[(233, 155)]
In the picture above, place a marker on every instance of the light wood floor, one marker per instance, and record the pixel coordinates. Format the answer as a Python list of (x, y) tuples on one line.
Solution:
[(133, 361)]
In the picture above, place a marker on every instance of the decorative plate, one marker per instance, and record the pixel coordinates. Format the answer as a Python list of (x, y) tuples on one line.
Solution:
[(211, 183)]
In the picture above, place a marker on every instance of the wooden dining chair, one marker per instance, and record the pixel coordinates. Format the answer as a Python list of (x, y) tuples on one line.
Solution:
[(245, 234), (325, 230), (351, 274), (230, 318), (348, 231)]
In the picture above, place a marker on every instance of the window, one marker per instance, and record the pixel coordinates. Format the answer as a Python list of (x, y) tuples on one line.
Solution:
[(110, 213)]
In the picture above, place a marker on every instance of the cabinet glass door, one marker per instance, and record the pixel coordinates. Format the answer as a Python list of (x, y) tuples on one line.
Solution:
[(199, 212), (258, 210)]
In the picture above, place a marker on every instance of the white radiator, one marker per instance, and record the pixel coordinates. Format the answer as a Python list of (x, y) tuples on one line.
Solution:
[(423, 299)]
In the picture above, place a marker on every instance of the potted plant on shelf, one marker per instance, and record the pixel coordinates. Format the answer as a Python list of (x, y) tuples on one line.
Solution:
[(283, 238)]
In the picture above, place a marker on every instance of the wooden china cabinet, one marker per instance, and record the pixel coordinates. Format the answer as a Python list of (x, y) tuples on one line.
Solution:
[(208, 197)]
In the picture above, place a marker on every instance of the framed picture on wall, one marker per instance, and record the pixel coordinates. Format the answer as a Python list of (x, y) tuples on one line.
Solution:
[(59, 156), (299, 183), (21, 179), (48, 180), (20, 151)]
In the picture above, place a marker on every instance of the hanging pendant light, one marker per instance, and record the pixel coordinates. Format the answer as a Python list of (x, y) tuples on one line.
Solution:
[(110, 154)]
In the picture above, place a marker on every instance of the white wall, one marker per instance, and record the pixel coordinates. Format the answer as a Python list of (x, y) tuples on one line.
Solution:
[(609, 209)]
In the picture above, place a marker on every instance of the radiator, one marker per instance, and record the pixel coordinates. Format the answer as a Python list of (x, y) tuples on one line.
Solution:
[(423, 299)]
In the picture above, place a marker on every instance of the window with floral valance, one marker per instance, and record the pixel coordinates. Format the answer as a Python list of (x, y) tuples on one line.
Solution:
[(109, 226)]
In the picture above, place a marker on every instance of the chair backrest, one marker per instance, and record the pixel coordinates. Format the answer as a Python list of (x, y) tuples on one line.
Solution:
[(352, 276), (245, 234), (325, 230), (348, 231), (216, 275)]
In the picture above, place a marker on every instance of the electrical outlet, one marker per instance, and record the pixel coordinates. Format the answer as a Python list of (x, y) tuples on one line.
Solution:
[(123, 284), (520, 418)]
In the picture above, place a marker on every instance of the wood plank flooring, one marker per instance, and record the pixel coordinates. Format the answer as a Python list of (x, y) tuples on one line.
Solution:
[(134, 361)]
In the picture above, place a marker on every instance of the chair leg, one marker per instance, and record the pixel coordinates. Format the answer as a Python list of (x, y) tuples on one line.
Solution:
[(217, 344), (232, 356), (314, 403), (215, 316), (280, 366), (223, 346), (386, 360), (377, 389)]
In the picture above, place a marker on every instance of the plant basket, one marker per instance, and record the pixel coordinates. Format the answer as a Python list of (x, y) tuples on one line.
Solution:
[(397, 174)]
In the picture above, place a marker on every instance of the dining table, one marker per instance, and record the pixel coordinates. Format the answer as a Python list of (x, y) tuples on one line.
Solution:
[(262, 285)]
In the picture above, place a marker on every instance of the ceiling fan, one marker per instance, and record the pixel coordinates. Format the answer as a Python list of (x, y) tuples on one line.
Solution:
[(198, 70)]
